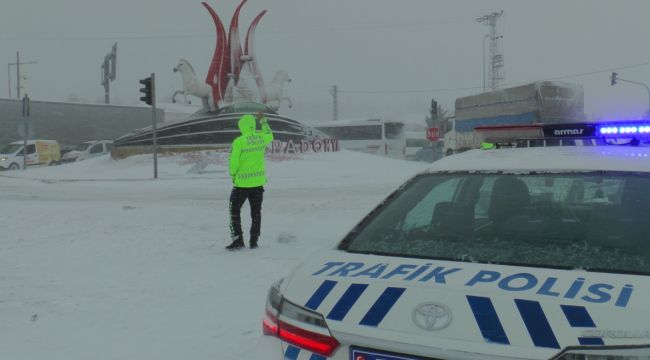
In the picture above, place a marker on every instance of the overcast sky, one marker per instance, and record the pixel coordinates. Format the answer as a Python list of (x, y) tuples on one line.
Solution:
[(400, 46)]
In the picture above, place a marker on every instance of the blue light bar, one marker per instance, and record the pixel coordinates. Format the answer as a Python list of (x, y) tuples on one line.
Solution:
[(624, 130), (633, 130)]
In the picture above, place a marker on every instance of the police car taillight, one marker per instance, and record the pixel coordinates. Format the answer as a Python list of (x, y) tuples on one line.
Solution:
[(296, 325), (605, 353), (273, 302)]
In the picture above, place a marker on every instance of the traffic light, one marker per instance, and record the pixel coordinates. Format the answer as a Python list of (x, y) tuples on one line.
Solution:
[(146, 90), (614, 78), (434, 109)]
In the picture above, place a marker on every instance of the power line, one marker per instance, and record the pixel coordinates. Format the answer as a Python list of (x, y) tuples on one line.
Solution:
[(407, 91), (97, 38), (607, 70), (292, 30), (600, 71)]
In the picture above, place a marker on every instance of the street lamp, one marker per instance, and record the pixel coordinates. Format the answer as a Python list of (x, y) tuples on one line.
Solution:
[(614, 78), (17, 64)]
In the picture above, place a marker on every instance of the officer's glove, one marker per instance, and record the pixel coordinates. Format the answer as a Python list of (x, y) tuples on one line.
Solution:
[(260, 118)]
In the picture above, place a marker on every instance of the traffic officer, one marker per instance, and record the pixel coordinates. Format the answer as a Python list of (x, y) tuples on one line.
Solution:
[(247, 171)]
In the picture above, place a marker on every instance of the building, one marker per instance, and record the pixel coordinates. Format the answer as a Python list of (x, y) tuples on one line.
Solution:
[(72, 123)]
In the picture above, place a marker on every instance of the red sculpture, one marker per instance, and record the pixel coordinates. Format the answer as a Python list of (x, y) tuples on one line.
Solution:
[(229, 58)]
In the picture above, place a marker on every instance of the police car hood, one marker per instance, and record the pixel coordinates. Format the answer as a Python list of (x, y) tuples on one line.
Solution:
[(432, 307)]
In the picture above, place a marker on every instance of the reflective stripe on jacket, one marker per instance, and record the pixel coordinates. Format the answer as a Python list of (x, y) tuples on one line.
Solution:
[(246, 163)]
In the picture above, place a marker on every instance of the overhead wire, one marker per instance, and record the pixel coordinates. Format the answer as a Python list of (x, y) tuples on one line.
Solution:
[(567, 76), (286, 30)]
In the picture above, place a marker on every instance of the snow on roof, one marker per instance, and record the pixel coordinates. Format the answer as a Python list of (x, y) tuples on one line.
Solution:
[(550, 159), (352, 122), (30, 142), (347, 122)]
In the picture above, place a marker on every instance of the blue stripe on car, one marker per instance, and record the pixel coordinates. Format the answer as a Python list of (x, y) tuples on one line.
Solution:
[(321, 293), (487, 320), (591, 341), (382, 306), (537, 324), (578, 316), (346, 302), (291, 353)]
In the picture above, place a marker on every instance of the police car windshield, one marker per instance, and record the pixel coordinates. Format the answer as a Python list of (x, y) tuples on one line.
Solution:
[(596, 221)]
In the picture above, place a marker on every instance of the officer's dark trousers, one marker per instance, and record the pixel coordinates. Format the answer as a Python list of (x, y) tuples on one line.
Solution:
[(237, 198)]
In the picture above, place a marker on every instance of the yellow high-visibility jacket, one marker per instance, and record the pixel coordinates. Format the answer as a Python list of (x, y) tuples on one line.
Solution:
[(246, 163)]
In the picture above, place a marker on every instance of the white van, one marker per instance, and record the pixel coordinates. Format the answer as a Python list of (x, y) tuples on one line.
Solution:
[(39, 152), (88, 149)]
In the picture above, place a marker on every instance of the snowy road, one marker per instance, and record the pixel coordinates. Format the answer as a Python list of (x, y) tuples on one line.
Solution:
[(97, 261)]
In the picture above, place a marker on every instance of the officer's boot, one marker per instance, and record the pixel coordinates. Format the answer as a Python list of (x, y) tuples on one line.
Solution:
[(236, 244), (253, 242)]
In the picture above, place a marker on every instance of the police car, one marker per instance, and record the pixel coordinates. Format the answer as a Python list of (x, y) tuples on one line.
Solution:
[(525, 253)]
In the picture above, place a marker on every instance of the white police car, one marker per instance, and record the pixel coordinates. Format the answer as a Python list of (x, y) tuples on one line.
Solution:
[(534, 253)]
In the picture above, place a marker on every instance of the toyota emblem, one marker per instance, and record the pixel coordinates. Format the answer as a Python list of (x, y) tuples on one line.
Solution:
[(432, 316)]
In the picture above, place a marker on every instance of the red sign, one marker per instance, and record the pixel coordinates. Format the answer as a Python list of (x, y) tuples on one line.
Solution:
[(433, 134)]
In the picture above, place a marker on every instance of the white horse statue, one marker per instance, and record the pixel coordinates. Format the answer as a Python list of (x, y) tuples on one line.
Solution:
[(274, 91), (192, 86)]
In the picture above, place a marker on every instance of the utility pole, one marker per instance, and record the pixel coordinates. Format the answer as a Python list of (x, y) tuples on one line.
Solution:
[(154, 123), (109, 71), (9, 78), (26, 128), (17, 64), (149, 97), (496, 59), (487, 36), (18, 74), (335, 97)]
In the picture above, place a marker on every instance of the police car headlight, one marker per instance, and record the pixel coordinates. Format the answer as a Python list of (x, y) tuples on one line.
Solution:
[(606, 353), (3, 159), (297, 325)]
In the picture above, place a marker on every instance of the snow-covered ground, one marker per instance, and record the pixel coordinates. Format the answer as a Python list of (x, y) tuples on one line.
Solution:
[(99, 261)]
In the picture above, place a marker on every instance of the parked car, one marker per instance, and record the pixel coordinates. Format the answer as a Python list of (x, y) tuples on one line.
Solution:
[(520, 253), (87, 150), (39, 152)]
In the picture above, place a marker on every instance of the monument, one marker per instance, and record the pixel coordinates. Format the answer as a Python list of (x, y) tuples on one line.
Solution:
[(234, 86), (232, 69)]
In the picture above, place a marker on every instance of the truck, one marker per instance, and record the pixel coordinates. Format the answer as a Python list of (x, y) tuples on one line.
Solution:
[(39, 152), (540, 102)]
